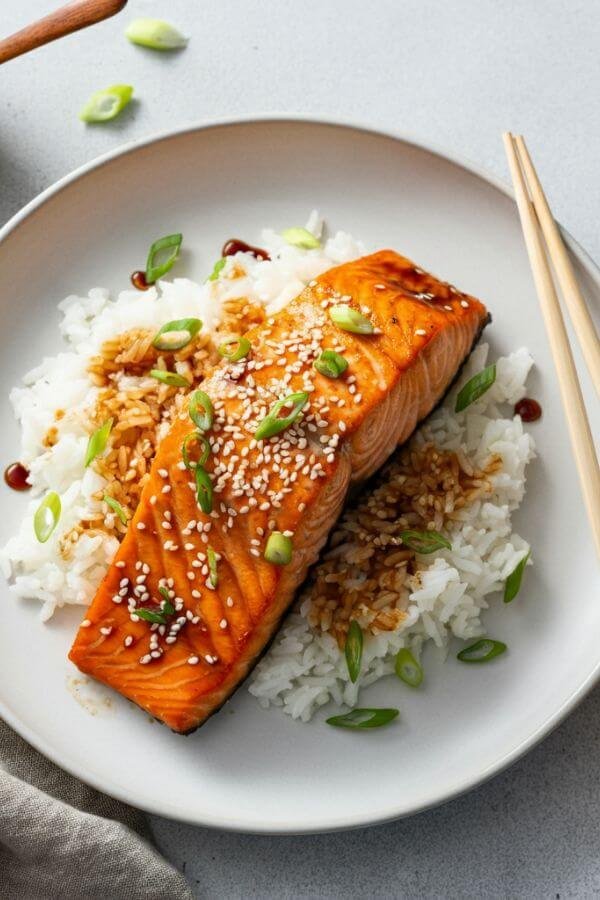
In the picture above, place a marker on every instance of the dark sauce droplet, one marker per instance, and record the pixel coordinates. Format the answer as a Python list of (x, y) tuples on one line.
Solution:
[(16, 476), (529, 410), (234, 246), (138, 280)]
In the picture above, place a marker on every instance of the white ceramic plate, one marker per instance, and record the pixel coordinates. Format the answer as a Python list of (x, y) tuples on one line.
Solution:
[(248, 769)]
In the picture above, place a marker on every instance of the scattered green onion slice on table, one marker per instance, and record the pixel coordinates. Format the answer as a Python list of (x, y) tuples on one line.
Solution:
[(349, 319), (513, 582), (300, 237), (364, 718), (173, 379), (475, 387), (234, 348), (155, 269), (481, 651), (201, 410), (204, 489), (273, 424), (116, 508), (176, 334), (205, 450), (213, 577), (217, 269), (278, 549), (353, 650), (424, 541), (46, 516), (408, 669), (330, 364), (155, 34), (167, 607), (107, 104), (156, 618), (98, 441)]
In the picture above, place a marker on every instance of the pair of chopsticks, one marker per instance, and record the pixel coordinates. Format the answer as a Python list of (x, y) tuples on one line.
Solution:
[(547, 252)]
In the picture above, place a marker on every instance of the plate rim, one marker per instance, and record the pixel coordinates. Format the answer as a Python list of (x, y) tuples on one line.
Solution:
[(332, 823)]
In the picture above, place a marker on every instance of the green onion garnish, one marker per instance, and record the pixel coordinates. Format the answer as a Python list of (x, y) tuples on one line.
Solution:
[(481, 651), (46, 516), (97, 442), (330, 364), (217, 269), (300, 237), (353, 650), (157, 618), (475, 387), (156, 34), (408, 669), (116, 508), (155, 269), (201, 411), (167, 607), (203, 458), (176, 334), (278, 549), (350, 319), (212, 567), (204, 489), (170, 378), (513, 582), (234, 348), (272, 424), (107, 104), (364, 718), (424, 541)]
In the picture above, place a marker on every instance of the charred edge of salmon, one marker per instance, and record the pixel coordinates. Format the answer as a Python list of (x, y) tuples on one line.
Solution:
[(352, 496)]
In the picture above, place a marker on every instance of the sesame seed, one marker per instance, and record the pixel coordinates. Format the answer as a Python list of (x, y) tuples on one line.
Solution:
[(420, 331), (140, 526), (193, 660), (85, 624), (106, 630), (163, 473), (120, 564), (128, 640), (464, 304)]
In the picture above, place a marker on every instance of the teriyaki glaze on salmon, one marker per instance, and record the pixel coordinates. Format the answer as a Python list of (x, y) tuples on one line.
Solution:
[(247, 484)]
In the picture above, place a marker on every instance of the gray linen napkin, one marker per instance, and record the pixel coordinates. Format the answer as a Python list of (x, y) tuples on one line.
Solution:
[(62, 839)]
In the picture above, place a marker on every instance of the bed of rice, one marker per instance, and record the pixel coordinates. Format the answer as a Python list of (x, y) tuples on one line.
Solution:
[(444, 594)]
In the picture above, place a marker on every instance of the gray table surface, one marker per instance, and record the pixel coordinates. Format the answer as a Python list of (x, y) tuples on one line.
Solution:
[(452, 72)]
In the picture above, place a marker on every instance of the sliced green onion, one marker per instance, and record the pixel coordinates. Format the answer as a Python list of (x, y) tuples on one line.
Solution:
[(204, 489), (481, 651), (97, 442), (213, 577), (408, 669), (217, 269), (240, 348), (353, 650), (176, 334), (201, 411), (116, 508), (46, 516), (272, 424), (513, 582), (203, 458), (170, 378), (167, 607), (157, 618), (424, 541), (278, 549), (331, 364), (107, 104), (300, 237), (156, 34), (475, 387), (350, 319), (364, 718), (155, 269)]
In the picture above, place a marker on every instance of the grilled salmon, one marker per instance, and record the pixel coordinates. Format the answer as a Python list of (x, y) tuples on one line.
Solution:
[(218, 545)]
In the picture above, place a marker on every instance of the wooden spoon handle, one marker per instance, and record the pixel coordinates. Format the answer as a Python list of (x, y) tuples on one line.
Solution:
[(71, 17)]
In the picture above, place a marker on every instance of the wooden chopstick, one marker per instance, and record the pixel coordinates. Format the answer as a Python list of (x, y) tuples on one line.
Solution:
[(570, 389), (576, 306)]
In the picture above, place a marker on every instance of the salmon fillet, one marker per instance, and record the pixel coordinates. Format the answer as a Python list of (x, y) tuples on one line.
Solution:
[(183, 667)]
